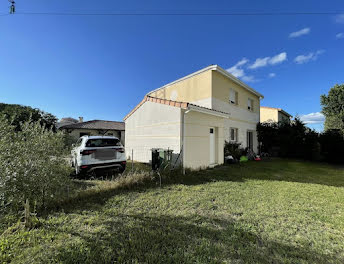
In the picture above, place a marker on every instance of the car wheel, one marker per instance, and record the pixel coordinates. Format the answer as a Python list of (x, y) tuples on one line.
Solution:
[(122, 169)]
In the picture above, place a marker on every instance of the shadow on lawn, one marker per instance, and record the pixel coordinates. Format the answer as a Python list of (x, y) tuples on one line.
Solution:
[(140, 239)]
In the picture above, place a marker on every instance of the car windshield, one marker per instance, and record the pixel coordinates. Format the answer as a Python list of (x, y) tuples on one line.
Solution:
[(103, 142)]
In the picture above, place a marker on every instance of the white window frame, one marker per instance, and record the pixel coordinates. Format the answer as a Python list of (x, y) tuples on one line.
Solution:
[(235, 134), (250, 104), (235, 102)]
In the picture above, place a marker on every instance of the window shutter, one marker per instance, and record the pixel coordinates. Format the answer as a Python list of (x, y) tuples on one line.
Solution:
[(232, 96)]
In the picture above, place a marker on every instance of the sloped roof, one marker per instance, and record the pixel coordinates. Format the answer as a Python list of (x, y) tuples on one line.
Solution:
[(221, 71), (183, 105), (97, 124)]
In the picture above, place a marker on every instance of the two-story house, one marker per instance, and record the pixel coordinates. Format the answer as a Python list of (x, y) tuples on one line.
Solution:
[(194, 116), (271, 114)]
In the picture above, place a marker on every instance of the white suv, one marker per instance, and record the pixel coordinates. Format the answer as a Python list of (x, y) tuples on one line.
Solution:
[(97, 152)]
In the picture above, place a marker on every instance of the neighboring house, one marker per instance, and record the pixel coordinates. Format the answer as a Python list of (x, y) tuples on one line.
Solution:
[(270, 114), (67, 121), (96, 128), (194, 116)]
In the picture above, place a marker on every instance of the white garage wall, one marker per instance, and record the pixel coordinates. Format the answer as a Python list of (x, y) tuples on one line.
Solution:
[(197, 139), (152, 125)]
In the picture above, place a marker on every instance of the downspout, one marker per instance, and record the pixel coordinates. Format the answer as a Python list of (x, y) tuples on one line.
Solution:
[(182, 149)]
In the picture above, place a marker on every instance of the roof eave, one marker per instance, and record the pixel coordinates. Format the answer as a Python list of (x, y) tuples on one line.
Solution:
[(216, 68), (207, 111)]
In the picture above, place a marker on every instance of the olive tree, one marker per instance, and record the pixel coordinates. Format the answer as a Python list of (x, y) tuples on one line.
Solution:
[(32, 165)]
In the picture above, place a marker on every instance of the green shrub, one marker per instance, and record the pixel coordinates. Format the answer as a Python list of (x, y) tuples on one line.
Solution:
[(332, 144), (233, 149), (32, 165)]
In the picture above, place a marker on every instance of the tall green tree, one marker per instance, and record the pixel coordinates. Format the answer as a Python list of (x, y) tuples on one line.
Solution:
[(17, 114), (333, 107)]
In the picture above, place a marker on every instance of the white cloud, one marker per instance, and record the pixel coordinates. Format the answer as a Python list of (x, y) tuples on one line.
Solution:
[(272, 75), (340, 19), (278, 58), (340, 35), (304, 58), (313, 118), (299, 33), (249, 78), (262, 62), (237, 69)]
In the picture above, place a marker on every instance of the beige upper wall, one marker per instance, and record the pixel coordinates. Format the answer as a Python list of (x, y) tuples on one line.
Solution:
[(221, 90), (201, 88), (272, 115), (192, 89), (268, 114)]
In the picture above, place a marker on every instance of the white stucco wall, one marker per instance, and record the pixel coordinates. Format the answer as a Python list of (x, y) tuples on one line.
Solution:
[(242, 119), (152, 125), (242, 132), (197, 139)]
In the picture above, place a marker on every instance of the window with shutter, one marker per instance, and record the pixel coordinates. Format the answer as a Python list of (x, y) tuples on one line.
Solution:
[(250, 104), (233, 97)]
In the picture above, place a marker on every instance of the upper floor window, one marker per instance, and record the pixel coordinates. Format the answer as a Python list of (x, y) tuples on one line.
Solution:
[(250, 104), (233, 97)]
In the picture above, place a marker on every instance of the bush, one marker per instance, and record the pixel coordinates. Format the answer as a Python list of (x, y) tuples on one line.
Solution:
[(332, 142), (295, 140), (233, 149), (32, 165)]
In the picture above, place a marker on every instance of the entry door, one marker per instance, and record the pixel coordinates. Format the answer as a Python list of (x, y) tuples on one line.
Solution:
[(212, 145), (250, 140)]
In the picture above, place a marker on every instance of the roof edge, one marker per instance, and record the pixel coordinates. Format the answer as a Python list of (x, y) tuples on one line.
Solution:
[(182, 105), (156, 100), (215, 68)]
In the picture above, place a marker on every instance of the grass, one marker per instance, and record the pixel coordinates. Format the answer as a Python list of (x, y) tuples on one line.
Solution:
[(278, 211)]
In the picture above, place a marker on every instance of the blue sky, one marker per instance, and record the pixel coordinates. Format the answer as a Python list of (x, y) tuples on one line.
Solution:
[(100, 67)]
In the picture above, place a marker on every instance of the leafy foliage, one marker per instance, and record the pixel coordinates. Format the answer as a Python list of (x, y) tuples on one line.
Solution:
[(295, 140), (333, 108), (32, 165), (233, 149), (18, 113), (332, 144)]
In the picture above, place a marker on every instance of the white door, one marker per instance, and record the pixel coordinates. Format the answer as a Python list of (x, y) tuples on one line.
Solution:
[(212, 145)]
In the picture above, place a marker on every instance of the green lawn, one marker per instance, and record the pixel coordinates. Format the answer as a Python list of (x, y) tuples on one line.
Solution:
[(276, 211)]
